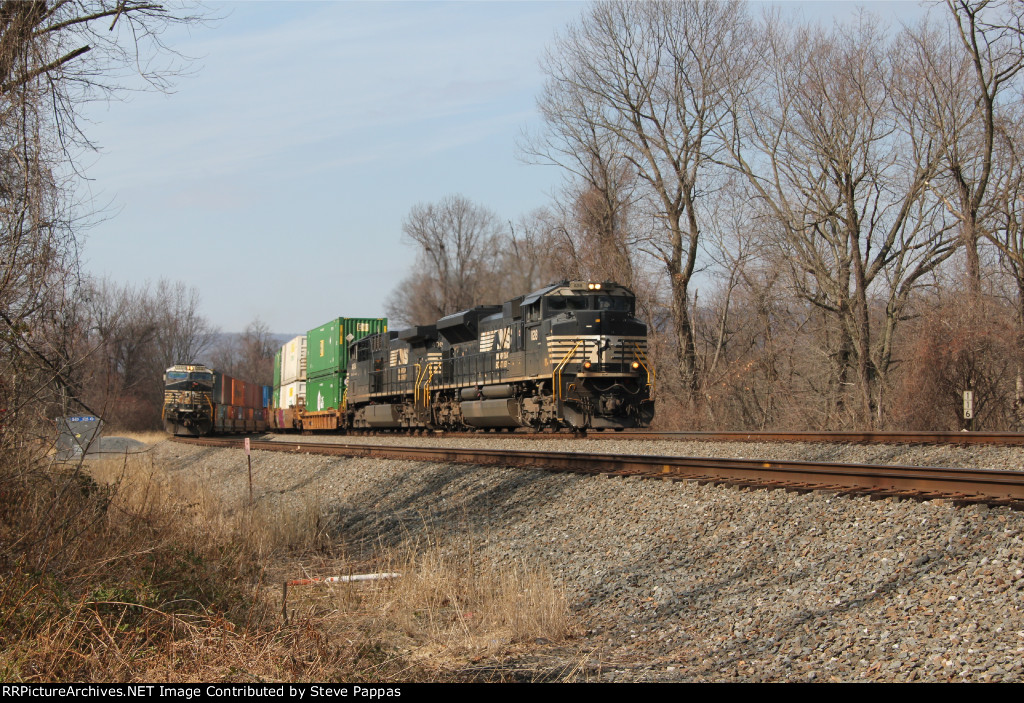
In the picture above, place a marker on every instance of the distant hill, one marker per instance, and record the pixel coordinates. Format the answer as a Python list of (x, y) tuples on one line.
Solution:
[(277, 339), (235, 354)]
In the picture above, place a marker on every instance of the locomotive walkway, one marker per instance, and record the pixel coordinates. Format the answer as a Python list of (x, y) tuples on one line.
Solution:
[(961, 486)]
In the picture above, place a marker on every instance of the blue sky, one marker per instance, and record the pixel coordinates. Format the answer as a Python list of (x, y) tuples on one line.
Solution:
[(276, 176)]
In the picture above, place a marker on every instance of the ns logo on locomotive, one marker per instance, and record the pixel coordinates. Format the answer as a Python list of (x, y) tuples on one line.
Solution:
[(572, 354)]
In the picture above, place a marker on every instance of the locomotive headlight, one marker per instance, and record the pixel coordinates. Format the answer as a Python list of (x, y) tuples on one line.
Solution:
[(597, 286), (590, 286)]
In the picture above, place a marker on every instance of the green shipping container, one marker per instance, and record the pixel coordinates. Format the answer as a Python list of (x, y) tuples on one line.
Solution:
[(324, 392), (327, 345), (277, 369), (277, 398)]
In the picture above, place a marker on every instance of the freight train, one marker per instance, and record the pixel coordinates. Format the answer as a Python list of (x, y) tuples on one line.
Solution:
[(570, 355)]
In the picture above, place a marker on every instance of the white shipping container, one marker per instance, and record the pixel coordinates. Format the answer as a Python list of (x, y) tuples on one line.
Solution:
[(293, 361), (293, 394)]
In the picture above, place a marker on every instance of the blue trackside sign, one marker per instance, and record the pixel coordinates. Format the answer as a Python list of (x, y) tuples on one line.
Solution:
[(75, 434)]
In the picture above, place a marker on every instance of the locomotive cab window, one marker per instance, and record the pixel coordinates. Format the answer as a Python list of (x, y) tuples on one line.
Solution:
[(182, 380), (533, 312), (176, 380), (615, 303), (204, 380), (558, 303)]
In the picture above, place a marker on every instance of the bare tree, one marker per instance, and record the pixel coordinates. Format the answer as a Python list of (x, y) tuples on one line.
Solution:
[(731, 342), (125, 324), (1005, 225), (248, 356), (965, 77), (530, 254), (601, 186), (75, 50), (183, 333), (53, 56), (457, 243), (840, 162), (638, 90), (599, 219), (127, 336)]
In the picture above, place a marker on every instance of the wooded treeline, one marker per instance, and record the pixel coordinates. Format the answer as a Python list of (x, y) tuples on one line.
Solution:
[(822, 223), (69, 344), (124, 337)]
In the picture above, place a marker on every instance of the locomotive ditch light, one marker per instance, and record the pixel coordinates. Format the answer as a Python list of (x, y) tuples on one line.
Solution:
[(586, 364), (636, 365)]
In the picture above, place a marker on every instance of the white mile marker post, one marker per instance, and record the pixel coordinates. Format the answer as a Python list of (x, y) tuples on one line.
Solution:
[(248, 458)]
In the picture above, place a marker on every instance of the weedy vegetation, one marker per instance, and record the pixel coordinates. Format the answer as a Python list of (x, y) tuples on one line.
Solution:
[(116, 570)]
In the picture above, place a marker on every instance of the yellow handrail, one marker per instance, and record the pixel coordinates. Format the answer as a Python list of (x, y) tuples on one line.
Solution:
[(428, 374), (556, 373), (416, 385), (642, 358)]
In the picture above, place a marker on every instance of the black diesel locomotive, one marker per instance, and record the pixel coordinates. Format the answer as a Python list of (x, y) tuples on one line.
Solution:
[(571, 355)]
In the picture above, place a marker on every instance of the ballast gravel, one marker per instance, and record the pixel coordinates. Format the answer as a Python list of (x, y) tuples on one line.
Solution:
[(689, 582)]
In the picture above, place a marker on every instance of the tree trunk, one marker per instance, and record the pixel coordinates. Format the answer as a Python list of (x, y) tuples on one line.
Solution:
[(684, 336)]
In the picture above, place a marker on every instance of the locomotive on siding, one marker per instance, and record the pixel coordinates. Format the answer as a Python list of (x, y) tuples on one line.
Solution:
[(200, 401), (572, 354)]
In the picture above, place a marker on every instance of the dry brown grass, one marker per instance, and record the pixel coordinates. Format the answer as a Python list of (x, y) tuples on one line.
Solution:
[(153, 437), (447, 608), (132, 575), (256, 533), (450, 599)]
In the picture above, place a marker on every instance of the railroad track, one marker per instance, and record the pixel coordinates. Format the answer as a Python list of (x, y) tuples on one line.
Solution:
[(961, 486), (999, 438), (995, 438)]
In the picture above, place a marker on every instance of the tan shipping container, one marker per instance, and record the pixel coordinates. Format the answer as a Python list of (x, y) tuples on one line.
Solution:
[(293, 361), (293, 394)]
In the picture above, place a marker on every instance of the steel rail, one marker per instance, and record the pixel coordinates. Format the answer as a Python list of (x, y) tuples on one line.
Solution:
[(1004, 438), (964, 438), (964, 485)]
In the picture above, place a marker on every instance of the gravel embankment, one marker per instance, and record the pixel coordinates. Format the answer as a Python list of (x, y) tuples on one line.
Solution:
[(965, 456), (683, 582)]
